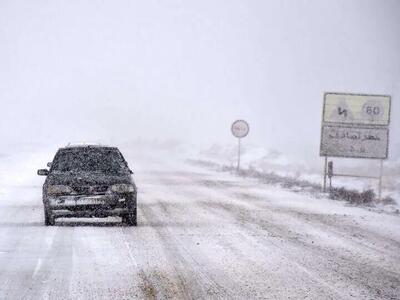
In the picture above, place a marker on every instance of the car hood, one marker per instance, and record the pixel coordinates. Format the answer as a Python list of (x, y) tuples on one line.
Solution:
[(86, 179)]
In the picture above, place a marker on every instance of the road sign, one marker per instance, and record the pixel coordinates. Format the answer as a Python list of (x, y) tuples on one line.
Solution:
[(356, 109), (240, 128), (355, 126), (355, 142)]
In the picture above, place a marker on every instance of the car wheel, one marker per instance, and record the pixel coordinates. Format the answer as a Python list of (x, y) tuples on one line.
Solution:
[(49, 219), (130, 218)]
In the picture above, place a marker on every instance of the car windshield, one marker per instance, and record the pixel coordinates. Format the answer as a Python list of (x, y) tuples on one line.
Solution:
[(108, 161)]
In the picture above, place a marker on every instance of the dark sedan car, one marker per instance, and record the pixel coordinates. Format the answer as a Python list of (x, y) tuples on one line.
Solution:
[(89, 181)]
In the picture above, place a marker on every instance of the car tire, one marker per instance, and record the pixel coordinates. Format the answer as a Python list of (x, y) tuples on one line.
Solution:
[(49, 219), (130, 218)]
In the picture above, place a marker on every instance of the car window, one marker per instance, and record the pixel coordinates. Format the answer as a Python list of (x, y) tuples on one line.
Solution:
[(108, 161)]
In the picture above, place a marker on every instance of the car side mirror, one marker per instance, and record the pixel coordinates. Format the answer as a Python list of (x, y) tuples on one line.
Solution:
[(49, 164), (43, 172)]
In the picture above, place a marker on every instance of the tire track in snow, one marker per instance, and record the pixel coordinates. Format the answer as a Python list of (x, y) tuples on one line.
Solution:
[(352, 274)]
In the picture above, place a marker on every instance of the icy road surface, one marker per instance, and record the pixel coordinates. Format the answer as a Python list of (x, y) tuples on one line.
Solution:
[(200, 234)]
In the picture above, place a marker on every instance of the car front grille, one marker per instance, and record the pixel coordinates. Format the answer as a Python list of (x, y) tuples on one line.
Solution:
[(90, 190)]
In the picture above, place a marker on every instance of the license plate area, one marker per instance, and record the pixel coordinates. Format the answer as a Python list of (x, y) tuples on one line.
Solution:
[(91, 201), (71, 201)]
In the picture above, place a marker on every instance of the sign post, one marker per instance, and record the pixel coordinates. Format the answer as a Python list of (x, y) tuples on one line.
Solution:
[(380, 180), (355, 126), (238, 163), (325, 173), (240, 129)]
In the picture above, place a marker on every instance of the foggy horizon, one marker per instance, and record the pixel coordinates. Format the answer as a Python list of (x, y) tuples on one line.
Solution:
[(115, 72)]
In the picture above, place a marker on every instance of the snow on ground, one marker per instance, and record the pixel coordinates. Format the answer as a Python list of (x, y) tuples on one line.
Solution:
[(272, 161), (201, 234)]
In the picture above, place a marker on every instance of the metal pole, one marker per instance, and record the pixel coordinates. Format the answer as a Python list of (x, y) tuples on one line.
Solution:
[(380, 181), (238, 164), (325, 167)]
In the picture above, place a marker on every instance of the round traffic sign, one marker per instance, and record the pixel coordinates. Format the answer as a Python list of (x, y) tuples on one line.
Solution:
[(240, 128)]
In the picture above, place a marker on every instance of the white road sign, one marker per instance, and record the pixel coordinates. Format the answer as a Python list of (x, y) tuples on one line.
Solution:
[(240, 128), (356, 109), (356, 142)]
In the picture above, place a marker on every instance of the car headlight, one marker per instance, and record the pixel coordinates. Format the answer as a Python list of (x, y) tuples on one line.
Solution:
[(59, 190), (122, 188)]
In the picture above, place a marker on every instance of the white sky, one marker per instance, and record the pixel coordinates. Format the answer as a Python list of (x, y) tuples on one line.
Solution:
[(118, 70)]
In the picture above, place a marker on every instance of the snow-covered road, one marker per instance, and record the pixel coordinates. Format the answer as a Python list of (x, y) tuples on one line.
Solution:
[(200, 234)]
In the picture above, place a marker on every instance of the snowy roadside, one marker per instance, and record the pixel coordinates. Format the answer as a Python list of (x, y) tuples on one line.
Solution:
[(272, 167)]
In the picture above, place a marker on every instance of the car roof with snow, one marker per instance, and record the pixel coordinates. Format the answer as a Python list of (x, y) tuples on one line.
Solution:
[(86, 145)]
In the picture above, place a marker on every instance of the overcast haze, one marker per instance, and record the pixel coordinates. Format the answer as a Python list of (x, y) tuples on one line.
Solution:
[(117, 70)]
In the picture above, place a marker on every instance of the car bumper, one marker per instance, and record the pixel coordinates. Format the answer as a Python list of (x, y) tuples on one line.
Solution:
[(96, 213), (91, 205), (88, 206), (67, 202)]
